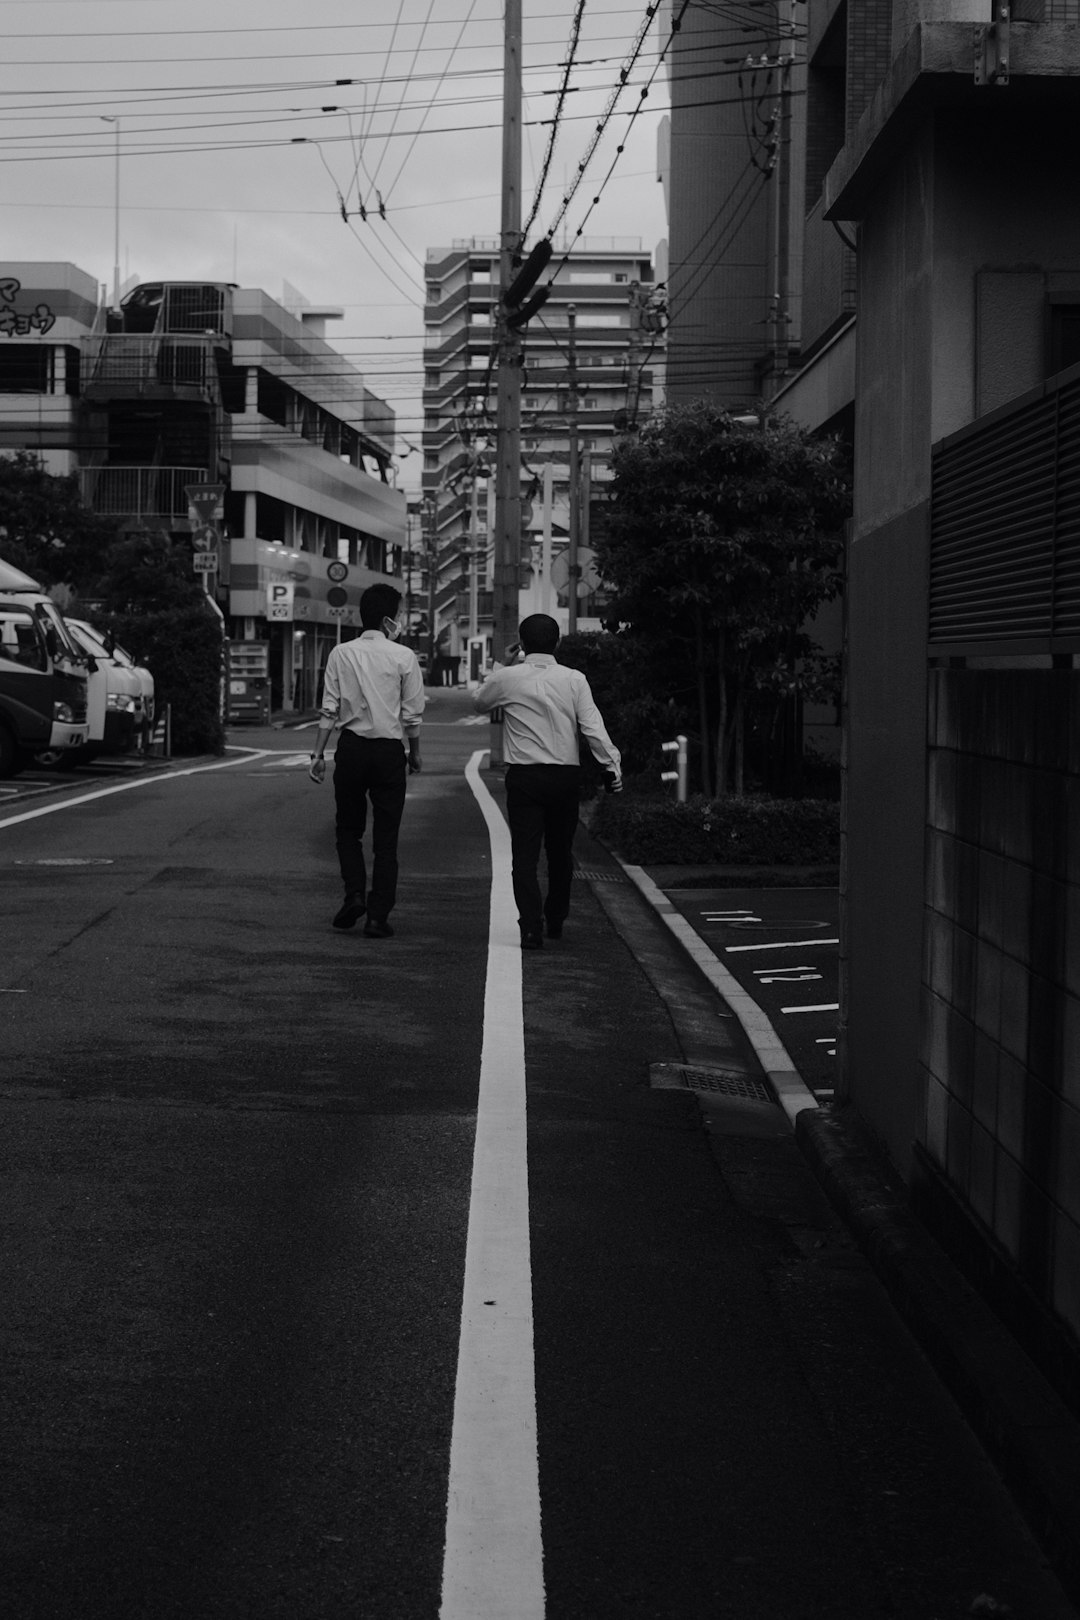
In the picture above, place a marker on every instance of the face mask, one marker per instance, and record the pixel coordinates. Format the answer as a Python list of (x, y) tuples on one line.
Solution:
[(392, 628)]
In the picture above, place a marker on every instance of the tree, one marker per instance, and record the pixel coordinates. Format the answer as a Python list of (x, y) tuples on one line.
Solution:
[(45, 529), (723, 539), (155, 606)]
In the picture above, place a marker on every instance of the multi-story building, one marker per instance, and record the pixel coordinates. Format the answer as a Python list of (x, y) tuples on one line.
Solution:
[(731, 163), (589, 357), (938, 157), (210, 384)]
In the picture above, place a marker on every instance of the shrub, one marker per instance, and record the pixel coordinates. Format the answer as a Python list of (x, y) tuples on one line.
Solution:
[(182, 648), (624, 683), (725, 832)]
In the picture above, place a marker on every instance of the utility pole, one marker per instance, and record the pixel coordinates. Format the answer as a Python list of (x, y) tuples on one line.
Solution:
[(507, 569), (574, 567)]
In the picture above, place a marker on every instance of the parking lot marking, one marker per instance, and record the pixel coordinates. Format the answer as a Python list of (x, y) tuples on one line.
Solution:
[(783, 945), (783, 975), (822, 1006), (493, 1559)]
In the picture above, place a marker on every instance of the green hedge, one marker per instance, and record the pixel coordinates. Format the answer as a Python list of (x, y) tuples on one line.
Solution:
[(182, 648), (727, 832)]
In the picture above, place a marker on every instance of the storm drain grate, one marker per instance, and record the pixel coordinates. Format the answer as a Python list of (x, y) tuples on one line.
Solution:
[(721, 1082), (611, 876)]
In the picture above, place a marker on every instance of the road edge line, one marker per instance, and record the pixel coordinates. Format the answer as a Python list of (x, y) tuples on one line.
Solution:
[(792, 1092), (126, 787)]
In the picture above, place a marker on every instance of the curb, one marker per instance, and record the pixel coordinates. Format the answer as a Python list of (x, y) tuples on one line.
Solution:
[(792, 1093), (1021, 1421)]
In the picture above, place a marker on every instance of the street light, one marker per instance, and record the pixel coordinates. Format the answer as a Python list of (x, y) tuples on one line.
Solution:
[(110, 118)]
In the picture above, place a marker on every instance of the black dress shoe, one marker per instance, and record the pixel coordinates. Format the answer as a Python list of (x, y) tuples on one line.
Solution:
[(532, 942), (377, 928), (553, 929), (351, 911)]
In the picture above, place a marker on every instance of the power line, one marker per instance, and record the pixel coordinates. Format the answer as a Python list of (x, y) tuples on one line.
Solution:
[(563, 88)]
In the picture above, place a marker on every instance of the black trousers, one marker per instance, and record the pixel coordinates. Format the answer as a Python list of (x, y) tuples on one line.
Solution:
[(542, 809), (369, 768)]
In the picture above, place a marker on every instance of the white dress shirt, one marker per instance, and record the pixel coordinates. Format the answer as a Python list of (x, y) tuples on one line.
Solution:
[(544, 704), (374, 687)]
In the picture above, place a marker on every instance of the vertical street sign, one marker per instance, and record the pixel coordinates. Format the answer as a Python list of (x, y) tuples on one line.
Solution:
[(206, 508), (279, 600)]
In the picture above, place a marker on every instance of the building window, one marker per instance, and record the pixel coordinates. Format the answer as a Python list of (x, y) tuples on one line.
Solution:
[(26, 368), (432, 292), (1064, 336), (431, 379)]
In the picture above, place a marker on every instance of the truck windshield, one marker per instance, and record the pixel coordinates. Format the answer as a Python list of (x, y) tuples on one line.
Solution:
[(49, 614)]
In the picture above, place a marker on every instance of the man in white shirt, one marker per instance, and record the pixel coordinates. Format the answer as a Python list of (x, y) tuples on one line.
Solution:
[(545, 705), (374, 691)]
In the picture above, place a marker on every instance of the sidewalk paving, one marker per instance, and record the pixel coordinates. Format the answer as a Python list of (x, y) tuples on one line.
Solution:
[(1033, 1437)]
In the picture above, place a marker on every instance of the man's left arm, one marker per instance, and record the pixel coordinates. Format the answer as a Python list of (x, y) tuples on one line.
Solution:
[(328, 719), (412, 707)]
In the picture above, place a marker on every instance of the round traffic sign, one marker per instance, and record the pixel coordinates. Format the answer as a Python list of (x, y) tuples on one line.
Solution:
[(337, 571), (337, 597)]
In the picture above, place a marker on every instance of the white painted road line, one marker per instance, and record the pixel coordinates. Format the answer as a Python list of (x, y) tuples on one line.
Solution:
[(824, 1006), (244, 758), (493, 1561), (783, 945)]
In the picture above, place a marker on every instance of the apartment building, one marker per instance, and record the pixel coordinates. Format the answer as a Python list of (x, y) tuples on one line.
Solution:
[(193, 383), (938, 160), (589, 365)]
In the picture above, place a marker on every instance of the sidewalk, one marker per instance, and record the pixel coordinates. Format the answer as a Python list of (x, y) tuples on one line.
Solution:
[(1033, 1438)]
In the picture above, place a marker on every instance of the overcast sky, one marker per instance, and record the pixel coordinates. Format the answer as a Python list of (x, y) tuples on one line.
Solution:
[(232, 169)]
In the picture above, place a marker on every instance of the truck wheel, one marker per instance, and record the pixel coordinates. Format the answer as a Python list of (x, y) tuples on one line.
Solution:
[(12, 757)]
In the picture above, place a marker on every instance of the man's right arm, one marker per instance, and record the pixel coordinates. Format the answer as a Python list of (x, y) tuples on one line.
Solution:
[(595, 733), (491, 694)]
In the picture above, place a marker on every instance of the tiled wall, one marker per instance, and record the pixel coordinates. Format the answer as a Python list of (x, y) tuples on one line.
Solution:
[(1001, 1026)]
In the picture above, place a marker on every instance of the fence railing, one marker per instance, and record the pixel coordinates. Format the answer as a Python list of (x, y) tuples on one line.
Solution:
[(139, 491)]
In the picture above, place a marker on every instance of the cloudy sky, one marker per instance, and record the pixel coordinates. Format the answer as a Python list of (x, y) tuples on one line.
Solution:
[(240, 151)]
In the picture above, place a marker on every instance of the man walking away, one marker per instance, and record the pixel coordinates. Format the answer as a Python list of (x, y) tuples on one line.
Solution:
[(544, 707), (374, 690)]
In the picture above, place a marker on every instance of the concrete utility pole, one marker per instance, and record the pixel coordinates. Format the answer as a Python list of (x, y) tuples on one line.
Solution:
[(573, 566), (507, 570)]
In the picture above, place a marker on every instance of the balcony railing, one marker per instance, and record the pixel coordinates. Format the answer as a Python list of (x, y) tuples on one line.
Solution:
[(139, 491), (139, 362)]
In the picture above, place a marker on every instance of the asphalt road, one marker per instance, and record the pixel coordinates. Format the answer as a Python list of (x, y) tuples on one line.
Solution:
[(237, 1172), (782, 946)]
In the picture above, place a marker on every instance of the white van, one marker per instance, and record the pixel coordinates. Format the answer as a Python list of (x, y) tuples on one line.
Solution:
[(43, 675), (106, 647), (113, 694)]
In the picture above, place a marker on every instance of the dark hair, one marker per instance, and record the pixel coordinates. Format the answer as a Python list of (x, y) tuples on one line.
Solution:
[(539, 633), (377, 603)]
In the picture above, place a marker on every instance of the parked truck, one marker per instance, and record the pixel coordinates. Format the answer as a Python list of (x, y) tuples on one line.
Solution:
[(43, 675)]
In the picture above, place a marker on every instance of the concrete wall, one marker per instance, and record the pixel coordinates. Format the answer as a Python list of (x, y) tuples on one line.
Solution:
[(884, 805), (1001, 1122)]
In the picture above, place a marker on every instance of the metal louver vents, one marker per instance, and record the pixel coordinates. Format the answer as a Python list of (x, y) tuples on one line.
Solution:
[(1005, 526)]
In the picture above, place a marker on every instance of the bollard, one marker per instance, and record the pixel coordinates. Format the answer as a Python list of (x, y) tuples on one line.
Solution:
[(678, 748)]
